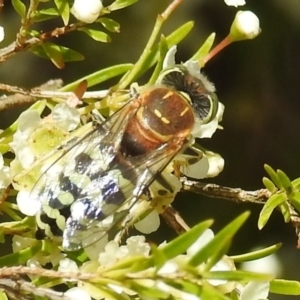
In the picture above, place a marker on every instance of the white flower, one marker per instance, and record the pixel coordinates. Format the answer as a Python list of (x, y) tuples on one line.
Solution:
[(255, 290), (23, 153), (67, 265), (77, 293), (93, 244), (1, 34), (87, 10), (28, 121), (216, 164), (201, 130), (197, 169), (149, 224), (19, 243), (33, 263), (109, 256), (235, 2), (5, 174), (170, 267), (245, 26), (65, 117), (269, 264), (135, 246), (221, 265), (26, 207)]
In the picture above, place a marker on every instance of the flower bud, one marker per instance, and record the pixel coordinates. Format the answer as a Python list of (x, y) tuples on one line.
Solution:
[(245, 26), (235, 3), (1, 34), (87, 10)]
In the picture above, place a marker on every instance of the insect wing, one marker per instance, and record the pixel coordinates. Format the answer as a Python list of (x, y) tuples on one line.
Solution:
[(71, 173), (94, 216)]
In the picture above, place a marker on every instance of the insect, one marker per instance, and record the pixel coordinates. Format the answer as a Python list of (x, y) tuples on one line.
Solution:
[(93, 182)]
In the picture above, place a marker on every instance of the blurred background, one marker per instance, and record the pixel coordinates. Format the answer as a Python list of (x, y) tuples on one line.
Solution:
[(257, 80)]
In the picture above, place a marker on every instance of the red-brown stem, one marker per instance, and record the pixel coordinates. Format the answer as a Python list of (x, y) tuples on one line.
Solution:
[(224, 43)]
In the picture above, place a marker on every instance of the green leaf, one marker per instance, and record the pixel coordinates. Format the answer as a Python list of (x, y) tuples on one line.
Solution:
[(163, 49), (45, 14), (64, 10), (285, 181), (3, 296), (118, 4), (295, 200), (254, 255), (184, 241), (173, 39), (109, 24), (21, 257), (205, 48), (219, 244), (285, 287), (99, 76), (296, 183), (53, 51), (209, 293), (97, 35), (146, 292), (273, 176), (268, 208), (57, 52), (238, 276), (269, 184), (284, 208), (19, 7), (158, 257)]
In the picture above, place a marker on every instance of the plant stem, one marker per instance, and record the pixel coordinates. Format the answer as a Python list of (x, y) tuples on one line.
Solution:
[(132, 74)]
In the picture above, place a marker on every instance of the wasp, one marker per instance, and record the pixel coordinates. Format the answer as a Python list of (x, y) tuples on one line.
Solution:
[(93, 183)]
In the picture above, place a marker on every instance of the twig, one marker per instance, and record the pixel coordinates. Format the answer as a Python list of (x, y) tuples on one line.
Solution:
[(16, 289), (20, 45), (15, 272), (174, 220), (239, 196), (24, 96), (227, 193)]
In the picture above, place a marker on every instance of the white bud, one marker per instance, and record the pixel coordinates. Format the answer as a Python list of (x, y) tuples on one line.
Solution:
[(235, 3), (87, 10), (216, 164), (77, 293), (245, 26), (1, 34)]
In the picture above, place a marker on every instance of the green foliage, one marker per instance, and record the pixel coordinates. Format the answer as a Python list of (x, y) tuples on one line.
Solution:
[(19, 7), (284, 192)]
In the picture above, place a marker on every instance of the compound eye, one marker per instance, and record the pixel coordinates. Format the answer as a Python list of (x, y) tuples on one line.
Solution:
[(195, 89)]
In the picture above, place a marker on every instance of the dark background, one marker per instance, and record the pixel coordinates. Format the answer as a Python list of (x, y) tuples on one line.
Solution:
[(258, 81)]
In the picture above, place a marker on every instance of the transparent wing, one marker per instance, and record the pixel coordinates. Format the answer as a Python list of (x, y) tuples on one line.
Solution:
[(115, 193), (69, 171), (90, 187)]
